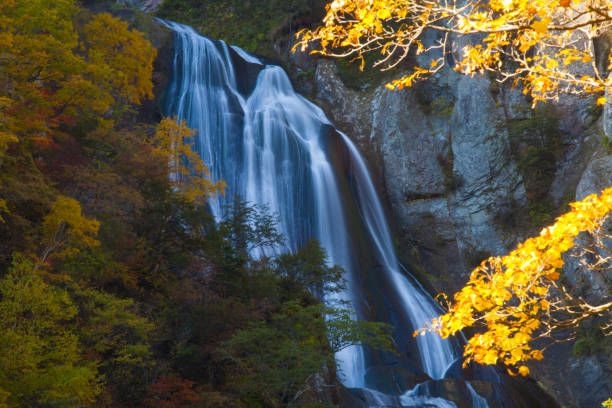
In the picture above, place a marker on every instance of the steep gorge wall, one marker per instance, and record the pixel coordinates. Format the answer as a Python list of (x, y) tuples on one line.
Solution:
[(455, 159)]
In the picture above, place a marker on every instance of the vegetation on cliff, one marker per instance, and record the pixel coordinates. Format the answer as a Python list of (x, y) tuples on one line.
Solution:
[(251, 25), (117, 288)]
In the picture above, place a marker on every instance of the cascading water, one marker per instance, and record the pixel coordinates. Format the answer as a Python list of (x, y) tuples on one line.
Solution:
[(268, 148), (272, 147), (436, 353)]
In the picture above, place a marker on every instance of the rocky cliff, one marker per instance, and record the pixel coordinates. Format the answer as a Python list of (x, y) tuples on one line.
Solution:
[(468, 170)]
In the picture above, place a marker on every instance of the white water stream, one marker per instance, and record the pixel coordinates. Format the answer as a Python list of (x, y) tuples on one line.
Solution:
[(269, 145)]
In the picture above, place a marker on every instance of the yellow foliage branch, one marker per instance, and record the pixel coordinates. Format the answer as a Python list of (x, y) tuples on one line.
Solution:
[(517, 298), (526, 42)]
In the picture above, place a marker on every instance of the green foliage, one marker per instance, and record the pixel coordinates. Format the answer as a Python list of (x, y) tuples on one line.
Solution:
[(306, 269), (278, 362), (606, 142), (40, 358), (250, 25), (535, 141), (452, 181), (115, 333), (249, 229)]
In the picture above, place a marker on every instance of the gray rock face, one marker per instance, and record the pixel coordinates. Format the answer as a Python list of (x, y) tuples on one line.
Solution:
[(442, 156), (596, 177), (439, 147)]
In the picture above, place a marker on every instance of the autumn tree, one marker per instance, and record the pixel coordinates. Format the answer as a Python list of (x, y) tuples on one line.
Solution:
[(54, 68), (122, 59), (531, 43), (65, 229), (518, 302), (188, 174)]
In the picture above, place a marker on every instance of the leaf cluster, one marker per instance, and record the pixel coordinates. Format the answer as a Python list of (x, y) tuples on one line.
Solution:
[(544, 46), (517, 299)]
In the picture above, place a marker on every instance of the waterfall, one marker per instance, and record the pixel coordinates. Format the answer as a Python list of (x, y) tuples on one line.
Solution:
[(271, 146), (436, 353), (268, 146)]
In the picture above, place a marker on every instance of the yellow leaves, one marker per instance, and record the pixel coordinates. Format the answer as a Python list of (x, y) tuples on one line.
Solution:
[(188, 173), (601, 101), (3, 209), (378, 28), (408, 80), (6, 138), (54, 72), (551, 64), (126, 52), (553, 275), (383, 14), (509, 296), (352, 39), (490, 357), (336, 5), (536, 355), (66, 229), (513, 32)]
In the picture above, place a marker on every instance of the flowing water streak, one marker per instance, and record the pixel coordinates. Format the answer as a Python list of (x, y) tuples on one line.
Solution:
[(269, 150), (436, 353), (268, 144), (477, 400), (206, 97)]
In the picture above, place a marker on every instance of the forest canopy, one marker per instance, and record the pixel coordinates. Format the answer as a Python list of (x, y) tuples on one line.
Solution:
[(117, 287)]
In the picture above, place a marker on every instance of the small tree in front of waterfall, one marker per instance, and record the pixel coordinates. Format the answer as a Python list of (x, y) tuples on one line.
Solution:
[(174, 142), (288, 360)]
